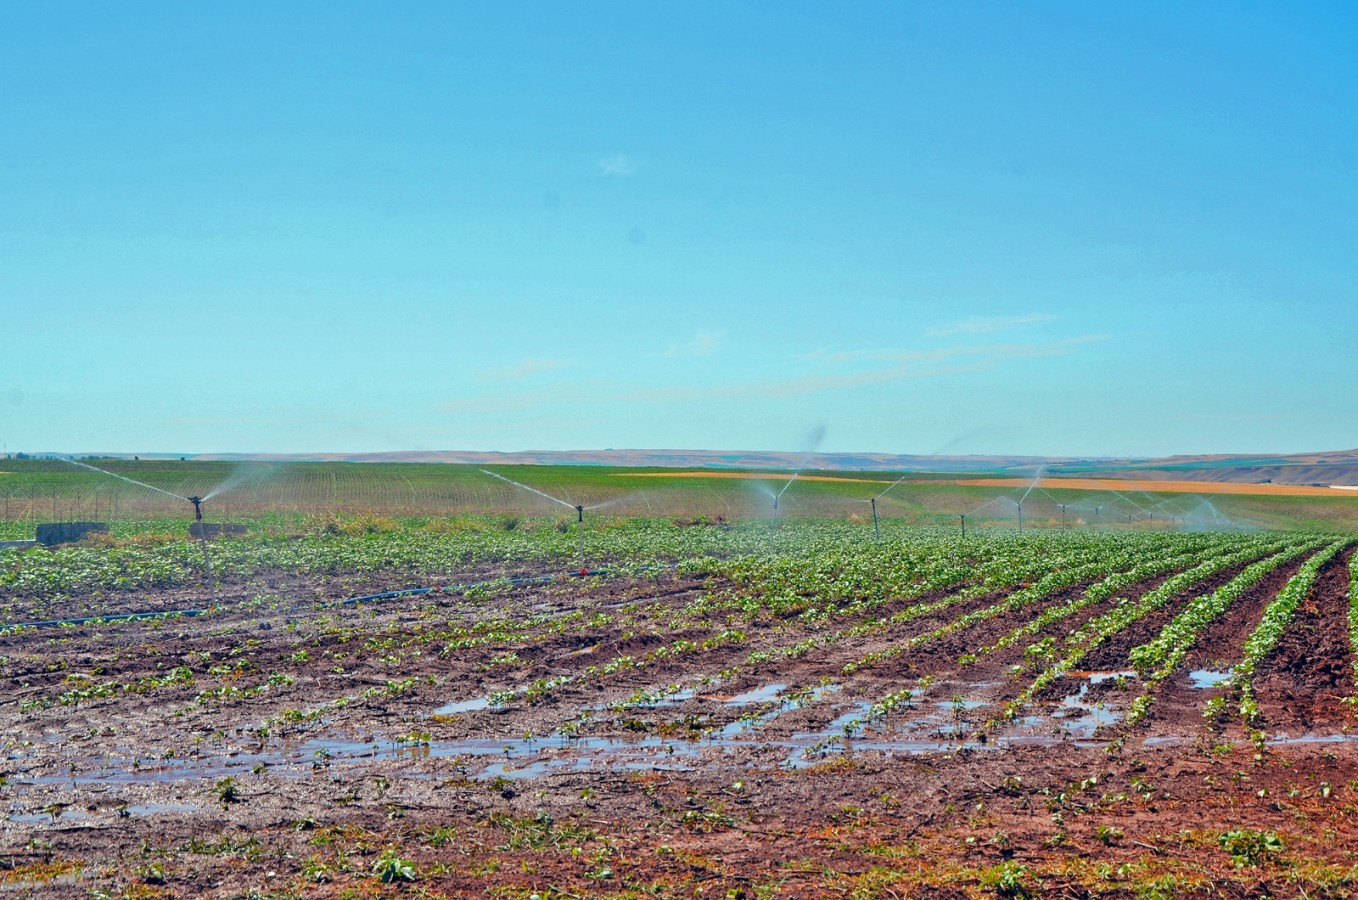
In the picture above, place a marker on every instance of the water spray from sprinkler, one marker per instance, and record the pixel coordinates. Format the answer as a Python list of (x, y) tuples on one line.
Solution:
[(1037, 476), (195, 500), (876, 528), (813, 439), (152, 487), (578, 507), (580, 529)]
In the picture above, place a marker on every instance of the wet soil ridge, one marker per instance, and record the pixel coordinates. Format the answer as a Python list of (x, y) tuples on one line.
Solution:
[(1156, 660), (1353, 611), (1078, 645), (1267, 650), (649, 731)]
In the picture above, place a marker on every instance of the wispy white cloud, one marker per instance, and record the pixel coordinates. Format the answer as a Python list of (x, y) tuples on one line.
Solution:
[(620, 164), (704, 343), (900, 365), (525, 368), (835, 372), (988, 324)]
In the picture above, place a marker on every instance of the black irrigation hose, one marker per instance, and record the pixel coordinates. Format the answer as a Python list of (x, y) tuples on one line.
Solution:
[(350, 601)]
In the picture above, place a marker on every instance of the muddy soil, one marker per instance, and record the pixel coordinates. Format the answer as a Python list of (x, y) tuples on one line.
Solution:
[(495, 744), (1302, 684)]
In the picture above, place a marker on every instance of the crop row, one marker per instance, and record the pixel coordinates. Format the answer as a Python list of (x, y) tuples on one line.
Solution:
[(1026, 596), (1353, 611), (1080, 642), (1272, 625), (1103, 590), (1156, 660)]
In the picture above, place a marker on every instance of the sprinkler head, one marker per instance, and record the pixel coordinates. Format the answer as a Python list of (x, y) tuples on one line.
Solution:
[(580, 513), (197, 507)]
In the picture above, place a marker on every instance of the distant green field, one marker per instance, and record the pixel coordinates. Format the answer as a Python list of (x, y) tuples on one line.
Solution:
[(34, 491)]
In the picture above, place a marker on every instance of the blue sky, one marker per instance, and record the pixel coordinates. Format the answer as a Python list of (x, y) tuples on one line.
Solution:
[(1046, 228)]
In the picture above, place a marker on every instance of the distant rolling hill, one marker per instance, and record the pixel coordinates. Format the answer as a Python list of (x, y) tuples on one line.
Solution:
[(1332, 467)]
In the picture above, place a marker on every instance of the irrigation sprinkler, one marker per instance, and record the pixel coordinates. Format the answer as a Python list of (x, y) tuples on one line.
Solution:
[(1020, 515), (963, 517), (580, 529), (876, 528), (578, 507), (195, 500), (1063, 514), (202, 535), (1096, 514)]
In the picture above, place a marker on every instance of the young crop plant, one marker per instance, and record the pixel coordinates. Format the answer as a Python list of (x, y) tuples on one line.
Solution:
[(1021, 598), (1081, 641), (1158, 659), (1017, 565), (1096, 593), (1274, 622)]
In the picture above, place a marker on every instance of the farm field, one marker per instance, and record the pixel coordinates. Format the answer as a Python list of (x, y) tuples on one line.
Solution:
[(661, 706), (46, 490)]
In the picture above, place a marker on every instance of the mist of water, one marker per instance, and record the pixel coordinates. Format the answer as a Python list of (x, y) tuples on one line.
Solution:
[(1036, 478), (152, 487), (245, 473), (527, 488)]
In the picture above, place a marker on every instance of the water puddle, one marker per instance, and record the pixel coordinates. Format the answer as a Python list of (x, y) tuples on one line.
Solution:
[(1098, 677), (1080, 716), (54, 815), (937, 727), (1205, 679), (764, 694), (159, 809), (463, 706), (1284, 739)]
